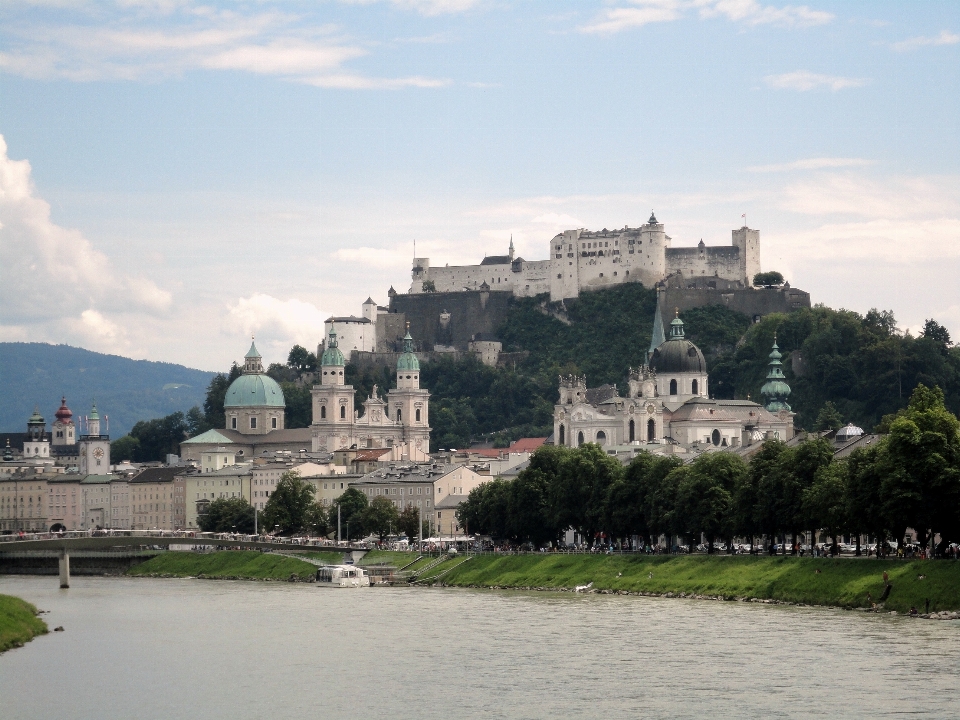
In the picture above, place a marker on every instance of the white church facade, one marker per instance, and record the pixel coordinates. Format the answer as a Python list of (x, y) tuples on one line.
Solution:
[(668, 403), (588, 260)]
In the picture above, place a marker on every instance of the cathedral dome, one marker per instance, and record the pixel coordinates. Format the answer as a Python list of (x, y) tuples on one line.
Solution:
[(254, 390), (678, 355), (332, 357)]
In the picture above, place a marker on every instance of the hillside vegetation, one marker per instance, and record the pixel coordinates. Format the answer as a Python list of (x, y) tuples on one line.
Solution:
[(126, 390), (863, 364)]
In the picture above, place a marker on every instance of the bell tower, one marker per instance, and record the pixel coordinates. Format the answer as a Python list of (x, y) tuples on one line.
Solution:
[(94, 446), (408, 403)]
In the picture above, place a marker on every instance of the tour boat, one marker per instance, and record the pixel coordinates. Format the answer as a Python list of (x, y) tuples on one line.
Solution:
[(342, 576)]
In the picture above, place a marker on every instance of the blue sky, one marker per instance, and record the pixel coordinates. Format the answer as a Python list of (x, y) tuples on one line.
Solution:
[(178, 175)]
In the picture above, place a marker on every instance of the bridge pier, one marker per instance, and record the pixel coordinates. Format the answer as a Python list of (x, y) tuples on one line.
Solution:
[(64, 569)]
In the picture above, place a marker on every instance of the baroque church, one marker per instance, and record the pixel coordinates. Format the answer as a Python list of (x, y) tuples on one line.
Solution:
[(254, 410), (668, 404)]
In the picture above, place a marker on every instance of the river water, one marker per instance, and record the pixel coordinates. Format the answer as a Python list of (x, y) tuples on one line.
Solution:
[(151, 648)]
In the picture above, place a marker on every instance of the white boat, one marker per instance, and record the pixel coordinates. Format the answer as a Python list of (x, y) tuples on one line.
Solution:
[(342, 576)]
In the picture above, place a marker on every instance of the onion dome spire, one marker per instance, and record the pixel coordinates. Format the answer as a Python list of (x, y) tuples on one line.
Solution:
[(332, 357), (775, 390), (407, 360)]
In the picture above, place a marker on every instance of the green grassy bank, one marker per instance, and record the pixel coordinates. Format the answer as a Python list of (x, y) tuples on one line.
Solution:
[(840, 583), (229, 564), (19, 623)]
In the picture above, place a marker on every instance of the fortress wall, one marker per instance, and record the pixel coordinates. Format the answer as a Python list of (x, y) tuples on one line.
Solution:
[(471, 312), (754, 302), (391, 327), (534, 279), (722, 261), (455, 278)]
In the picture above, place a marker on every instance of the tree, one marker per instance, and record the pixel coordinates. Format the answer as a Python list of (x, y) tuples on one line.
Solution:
[(705, 493), (301, 359), (932, 330), (429, 286), (767, 279), (380, 517), (158, 438), (125, 448), (825, 502), (828, 418), (197, 422), (579, 495), (764, 474), (528, 509), (216, 393), (317, 520), (921, 482), (288, 506), (227, 515), (351, 505), (408, 522)]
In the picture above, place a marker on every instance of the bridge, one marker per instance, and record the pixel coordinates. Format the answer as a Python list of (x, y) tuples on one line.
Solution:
[(63, 543)]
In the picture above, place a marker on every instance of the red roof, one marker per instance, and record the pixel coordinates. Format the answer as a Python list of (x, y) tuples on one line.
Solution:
[(374, 454), (526, 444)]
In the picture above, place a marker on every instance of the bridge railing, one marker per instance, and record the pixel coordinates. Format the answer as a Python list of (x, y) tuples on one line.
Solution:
[(191, 535)]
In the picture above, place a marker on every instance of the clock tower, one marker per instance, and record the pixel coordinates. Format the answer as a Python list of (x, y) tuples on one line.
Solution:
[(94, 447)]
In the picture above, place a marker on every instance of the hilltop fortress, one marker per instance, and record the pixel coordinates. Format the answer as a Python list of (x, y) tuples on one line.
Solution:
[(459, 309), (586, 260)]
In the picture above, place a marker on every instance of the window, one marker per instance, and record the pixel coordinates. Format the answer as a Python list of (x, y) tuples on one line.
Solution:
[(343, 412), (323, 412), (633, 432), (418, 414), (579, 438), (562, 435), (715, 437), (601, 438), (233, 423), (273, 423), (399, 415), (253, 423), (693, 388), (673, 387)]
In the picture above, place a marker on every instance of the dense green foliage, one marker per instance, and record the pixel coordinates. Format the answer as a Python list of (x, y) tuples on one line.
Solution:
[(768, 279), (126, 390), (291, 507), (348, 510), (18, 622), (228, 515), (380, 517), (911, 478)]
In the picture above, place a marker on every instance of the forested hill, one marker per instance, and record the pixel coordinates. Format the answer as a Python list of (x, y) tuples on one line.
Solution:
[(126, 390)]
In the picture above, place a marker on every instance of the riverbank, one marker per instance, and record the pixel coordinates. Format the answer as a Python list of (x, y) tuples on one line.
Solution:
[(19, 623), (847, 582), (231, 565)]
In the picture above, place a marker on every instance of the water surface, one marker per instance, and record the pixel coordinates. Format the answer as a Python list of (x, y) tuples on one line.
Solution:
[(156, 648)]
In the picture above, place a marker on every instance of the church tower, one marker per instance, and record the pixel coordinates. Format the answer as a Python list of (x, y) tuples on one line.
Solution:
[(64, 431), (775, 390), (94, 447), (37, 445), (410, 404), (333, 413)]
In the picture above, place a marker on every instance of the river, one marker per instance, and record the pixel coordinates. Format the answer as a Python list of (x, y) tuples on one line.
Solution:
[(151, 648)]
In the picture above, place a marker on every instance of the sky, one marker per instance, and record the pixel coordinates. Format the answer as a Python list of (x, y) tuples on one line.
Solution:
[(176, 176)]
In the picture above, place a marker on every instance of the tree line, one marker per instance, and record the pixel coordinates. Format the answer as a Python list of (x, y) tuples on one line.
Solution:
[(292, 509), (910, 478)]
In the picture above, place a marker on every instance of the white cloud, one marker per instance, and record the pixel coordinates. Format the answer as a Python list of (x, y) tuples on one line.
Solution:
[(619, 19), (277, 324), (748, 12), (752, 12), (944, 38), (892, 198), (157, 42), (557, 220), (811, 164), (425, 7), (55, 282), (803, 81)]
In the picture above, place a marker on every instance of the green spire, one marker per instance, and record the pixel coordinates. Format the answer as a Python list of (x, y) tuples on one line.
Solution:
[(331, 354), (408, 361), (94, 415), (36, 418), (658, 338), (252, 352), (775, 390)]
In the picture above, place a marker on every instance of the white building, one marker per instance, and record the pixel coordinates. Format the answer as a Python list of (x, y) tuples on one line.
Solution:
[(586, 260)]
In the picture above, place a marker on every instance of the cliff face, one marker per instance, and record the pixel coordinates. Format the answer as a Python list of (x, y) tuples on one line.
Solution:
[(451, 319)]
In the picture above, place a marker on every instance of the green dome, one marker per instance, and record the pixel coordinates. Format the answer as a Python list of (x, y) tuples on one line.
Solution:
[(254, 390), (408, 361), (332, 355)]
